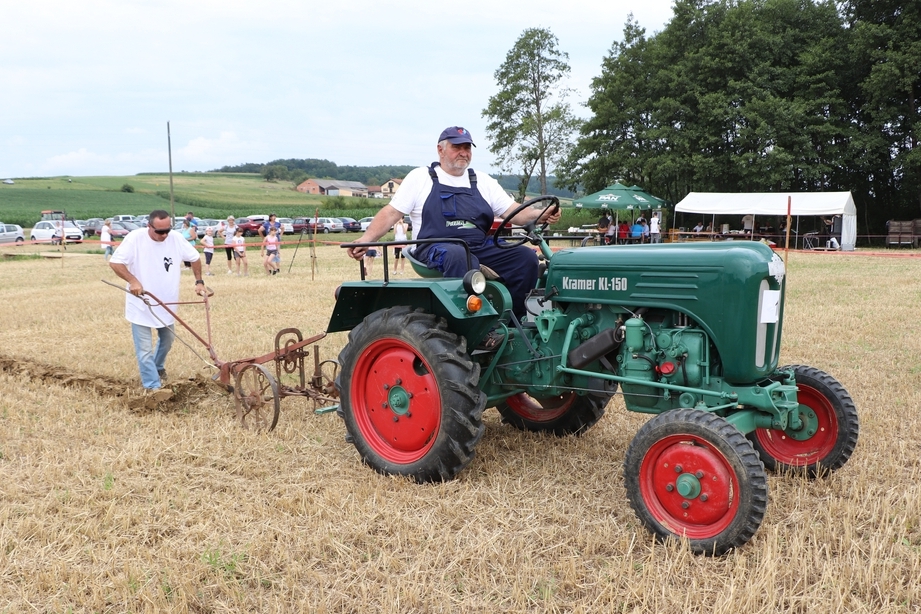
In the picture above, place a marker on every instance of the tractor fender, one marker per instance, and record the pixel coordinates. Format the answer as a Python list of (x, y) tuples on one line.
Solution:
[(445, 298)]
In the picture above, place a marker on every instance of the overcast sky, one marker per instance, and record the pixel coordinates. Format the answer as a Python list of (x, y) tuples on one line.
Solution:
[(88, 86)]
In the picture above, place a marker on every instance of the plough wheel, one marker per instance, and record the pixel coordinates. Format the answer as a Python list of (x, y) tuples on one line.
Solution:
[(257, 399), (409, 395), (690, 474), (829, 433)]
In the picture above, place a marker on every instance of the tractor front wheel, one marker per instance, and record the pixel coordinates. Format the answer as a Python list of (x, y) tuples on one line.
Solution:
[(567, 414), (409, 395), (829, 428), (690, 474)]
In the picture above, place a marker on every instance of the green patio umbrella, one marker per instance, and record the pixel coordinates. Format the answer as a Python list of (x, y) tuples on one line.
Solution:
[(619, 197)]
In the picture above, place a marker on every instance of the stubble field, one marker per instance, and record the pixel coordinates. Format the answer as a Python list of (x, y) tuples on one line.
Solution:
[(104, 508)]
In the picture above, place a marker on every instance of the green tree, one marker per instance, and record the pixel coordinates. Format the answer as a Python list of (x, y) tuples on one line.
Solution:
[(886, 49), (530, 122), (274, 172)]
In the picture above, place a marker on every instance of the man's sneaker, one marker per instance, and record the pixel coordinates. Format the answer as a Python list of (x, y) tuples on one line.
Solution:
[(162, 374)]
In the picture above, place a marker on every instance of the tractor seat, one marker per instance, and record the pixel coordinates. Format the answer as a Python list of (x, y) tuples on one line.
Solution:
[(423, 271)]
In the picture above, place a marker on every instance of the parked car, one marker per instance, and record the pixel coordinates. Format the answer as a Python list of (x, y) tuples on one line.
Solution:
[(329, 224), (11, 233), (121, 229), (287, 225), (365, 222), (141, 220), (350, 224), (93, 225), (123, 218), (205, 224), (251, 224), (302, 224), (48, 230)]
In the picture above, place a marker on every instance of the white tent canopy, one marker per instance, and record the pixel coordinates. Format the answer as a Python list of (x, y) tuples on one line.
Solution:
[(771, 203)]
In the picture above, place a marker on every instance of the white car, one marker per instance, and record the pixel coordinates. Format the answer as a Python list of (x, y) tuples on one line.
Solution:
[(48, 230), (287, 225), (365, 222), (11, 233), (205, 224)]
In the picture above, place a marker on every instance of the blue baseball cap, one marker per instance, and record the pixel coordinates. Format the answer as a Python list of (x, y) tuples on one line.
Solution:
[(456, 135)]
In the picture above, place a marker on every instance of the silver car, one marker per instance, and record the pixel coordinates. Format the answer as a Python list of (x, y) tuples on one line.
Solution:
[(11, 233)]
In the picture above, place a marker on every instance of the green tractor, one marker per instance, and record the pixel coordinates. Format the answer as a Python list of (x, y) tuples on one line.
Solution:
[(689, 333)]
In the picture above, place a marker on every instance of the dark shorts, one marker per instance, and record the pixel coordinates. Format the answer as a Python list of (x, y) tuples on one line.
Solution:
[(238, 255), (398, 252), (208, 256), (371, 253)]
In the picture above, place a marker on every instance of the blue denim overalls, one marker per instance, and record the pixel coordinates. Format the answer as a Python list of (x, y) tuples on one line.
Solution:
[(463, 213)]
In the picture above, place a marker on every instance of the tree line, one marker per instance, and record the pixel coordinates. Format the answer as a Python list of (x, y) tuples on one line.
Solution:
[(734, 96), (297, 170)]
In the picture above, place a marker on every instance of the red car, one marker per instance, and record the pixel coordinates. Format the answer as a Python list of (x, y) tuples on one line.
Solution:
[(251, 225)]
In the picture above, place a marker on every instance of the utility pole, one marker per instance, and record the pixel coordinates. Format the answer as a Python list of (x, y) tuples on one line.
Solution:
[(169, 147)]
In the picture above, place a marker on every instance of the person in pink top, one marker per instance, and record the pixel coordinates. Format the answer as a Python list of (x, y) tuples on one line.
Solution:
[(270, 246)]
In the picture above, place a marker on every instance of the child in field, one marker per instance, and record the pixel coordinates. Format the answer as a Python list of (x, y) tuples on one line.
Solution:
[(270, 252), (239, 252), (208, 243), (368, 260)]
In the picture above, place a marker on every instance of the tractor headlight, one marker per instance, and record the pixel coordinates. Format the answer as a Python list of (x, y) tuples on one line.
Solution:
[(474, 282)]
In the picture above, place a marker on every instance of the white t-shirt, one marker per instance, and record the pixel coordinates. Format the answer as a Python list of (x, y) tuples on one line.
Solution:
[(417, 186), (654, 225), (157, 265)]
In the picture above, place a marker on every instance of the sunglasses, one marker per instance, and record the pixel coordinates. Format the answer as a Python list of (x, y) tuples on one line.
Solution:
[(161, 231)]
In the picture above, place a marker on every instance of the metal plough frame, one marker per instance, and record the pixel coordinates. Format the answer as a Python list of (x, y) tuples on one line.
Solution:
[(257, 392)]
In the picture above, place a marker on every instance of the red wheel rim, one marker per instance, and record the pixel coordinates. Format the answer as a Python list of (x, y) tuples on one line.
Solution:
[(395, 401), (545, 410), (801, 451), (677, 463)]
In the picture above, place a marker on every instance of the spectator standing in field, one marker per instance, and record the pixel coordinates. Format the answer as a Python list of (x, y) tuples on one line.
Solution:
[(399, 234), (193, 222), (654, 234), (208, 244), (368, 260), (148, 259), (270, 252), (271, 223), (190, 234), (105, 239), (228, 229), (239, 251)]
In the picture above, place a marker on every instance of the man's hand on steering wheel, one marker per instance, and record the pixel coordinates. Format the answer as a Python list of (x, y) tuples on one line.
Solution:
[(550, 215)]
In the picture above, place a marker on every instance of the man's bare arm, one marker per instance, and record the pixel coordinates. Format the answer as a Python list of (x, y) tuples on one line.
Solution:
[(379, 226)]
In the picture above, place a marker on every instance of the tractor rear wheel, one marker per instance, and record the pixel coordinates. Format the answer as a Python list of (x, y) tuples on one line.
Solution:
[(409, 395), (829, 433), (690, 474), (567, 414)]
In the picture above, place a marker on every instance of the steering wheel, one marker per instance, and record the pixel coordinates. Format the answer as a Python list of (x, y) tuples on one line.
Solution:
[(532, 233)]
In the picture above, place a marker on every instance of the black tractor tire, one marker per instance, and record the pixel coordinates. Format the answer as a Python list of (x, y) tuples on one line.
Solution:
[(830, 428), (692, 475), (567, 414), (409, 396)]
